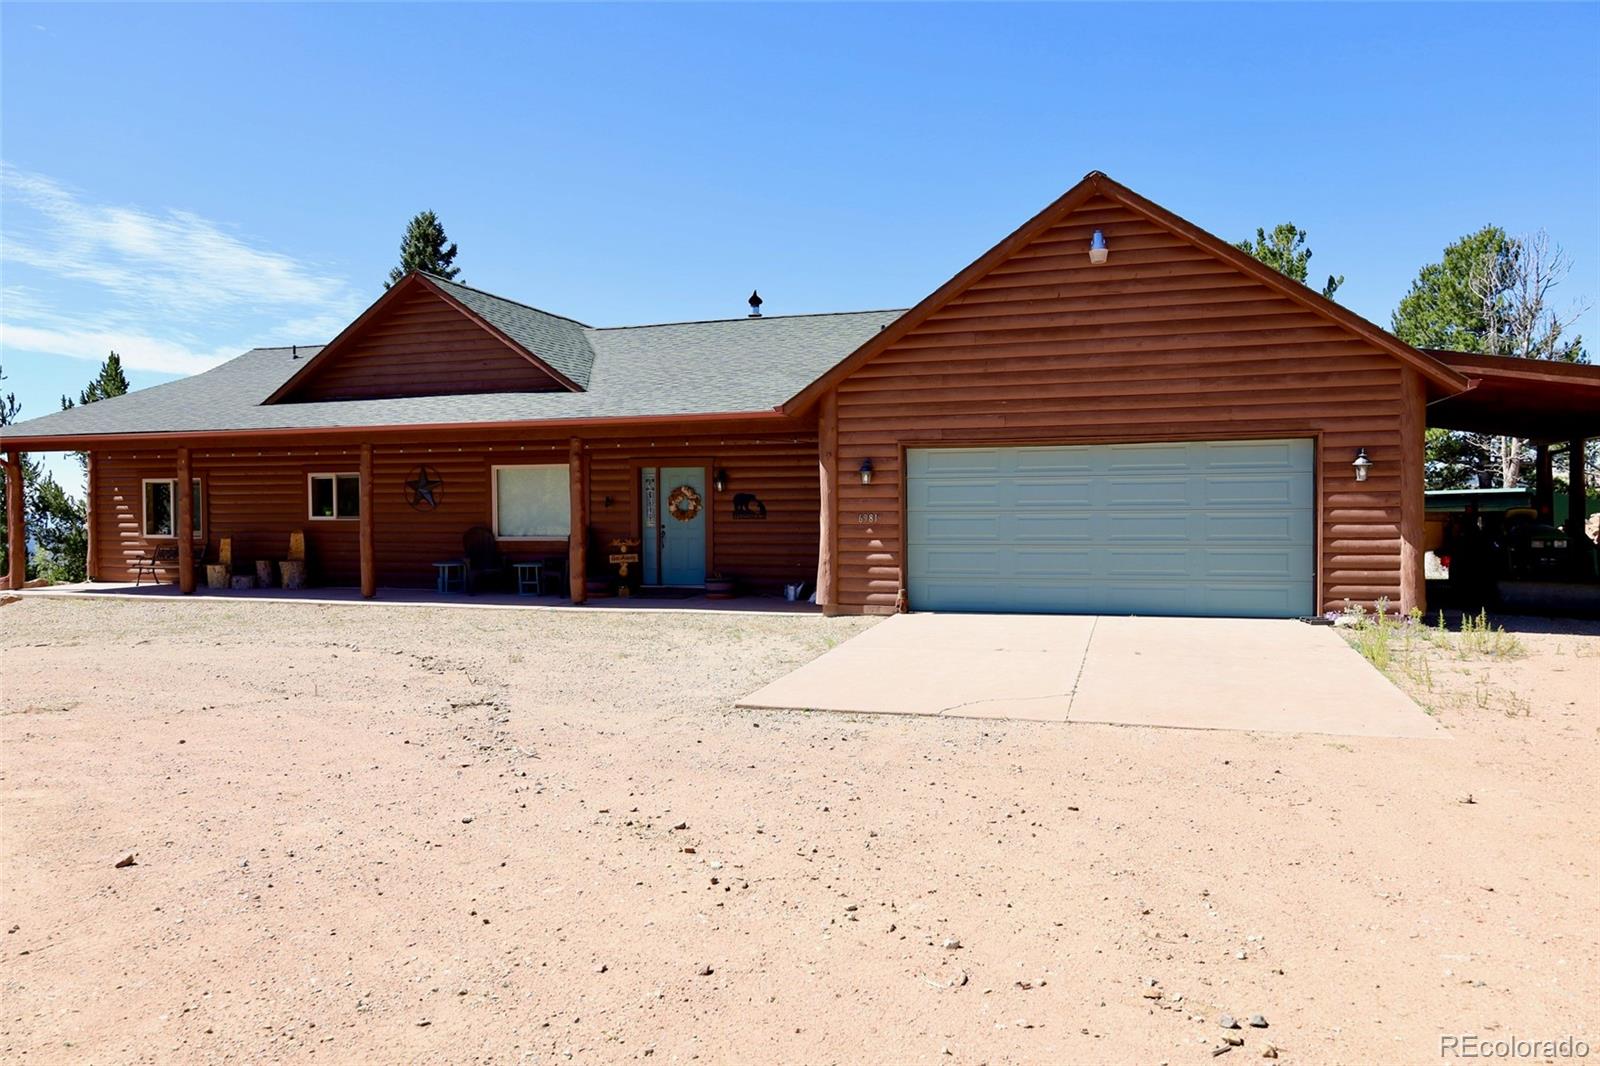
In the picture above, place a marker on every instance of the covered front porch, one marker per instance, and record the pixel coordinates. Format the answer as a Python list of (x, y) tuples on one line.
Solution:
[(684, 602), (729, 508)]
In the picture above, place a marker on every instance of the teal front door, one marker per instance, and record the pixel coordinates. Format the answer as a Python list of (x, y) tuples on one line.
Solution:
[(681, 526)]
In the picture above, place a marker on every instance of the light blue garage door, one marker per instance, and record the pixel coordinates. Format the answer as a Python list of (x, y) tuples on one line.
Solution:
[(1196, 528)]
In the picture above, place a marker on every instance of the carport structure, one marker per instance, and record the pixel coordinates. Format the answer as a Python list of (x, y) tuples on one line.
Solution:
[(1556, 406)]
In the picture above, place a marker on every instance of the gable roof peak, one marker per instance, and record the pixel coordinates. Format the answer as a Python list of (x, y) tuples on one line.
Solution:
[(437, 279), (556, 346), (1098, 183)]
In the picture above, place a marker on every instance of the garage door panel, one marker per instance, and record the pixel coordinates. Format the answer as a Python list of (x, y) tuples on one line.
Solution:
[(1146, 491), (979, 494), (1220, 527), (1256, 528), (1162, 528), (957, 529), (1259, 601), (1052, 528), (939, 462), (1249, 563), (1053, 493), (1037, 461), (1261, 490), (1059, 563), (965, 562), (1149, 458), (1145, 564), (1252, 455)]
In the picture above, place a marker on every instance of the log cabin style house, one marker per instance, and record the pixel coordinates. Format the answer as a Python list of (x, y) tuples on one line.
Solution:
[(1110, 411)]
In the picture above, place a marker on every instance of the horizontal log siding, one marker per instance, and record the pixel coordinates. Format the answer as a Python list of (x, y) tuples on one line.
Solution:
[(258, 497), (1161, 342), (422, 346), (117, 509), (780, 469)]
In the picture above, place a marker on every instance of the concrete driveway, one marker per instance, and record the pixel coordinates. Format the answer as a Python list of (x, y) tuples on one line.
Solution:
[(1194, 673)]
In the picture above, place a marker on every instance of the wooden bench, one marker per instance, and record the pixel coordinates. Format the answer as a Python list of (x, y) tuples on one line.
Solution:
[(164, 556)]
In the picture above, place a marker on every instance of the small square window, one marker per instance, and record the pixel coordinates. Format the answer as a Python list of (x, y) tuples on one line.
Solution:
[(161, 508), (335, 496)]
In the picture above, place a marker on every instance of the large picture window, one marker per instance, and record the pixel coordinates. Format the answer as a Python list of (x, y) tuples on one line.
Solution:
[(334, 496), (532, 502), (161, 507)]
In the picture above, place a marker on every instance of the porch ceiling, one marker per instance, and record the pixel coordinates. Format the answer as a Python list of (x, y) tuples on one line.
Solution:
[(1537, 400)]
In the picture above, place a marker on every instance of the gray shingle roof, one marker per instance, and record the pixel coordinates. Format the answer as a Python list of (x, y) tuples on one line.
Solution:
[(559, 341), (682, 368)]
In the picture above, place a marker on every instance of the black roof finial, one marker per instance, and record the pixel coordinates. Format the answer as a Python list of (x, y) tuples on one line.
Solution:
[(755, 304)]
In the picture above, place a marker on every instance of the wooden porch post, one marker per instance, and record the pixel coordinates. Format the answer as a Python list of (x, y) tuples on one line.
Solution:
[(1413, 465), (578, 539), (91, 561), (1544, 485), (185, 524), (1577, 491), (16, 533), (369, 571), (828, 486)]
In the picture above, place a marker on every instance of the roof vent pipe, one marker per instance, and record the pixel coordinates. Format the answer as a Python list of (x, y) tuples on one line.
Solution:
[(755, 304)]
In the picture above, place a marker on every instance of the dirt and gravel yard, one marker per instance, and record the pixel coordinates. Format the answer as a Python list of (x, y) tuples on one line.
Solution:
[(428, 834)]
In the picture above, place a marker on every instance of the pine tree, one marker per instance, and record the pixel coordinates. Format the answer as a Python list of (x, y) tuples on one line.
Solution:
[(425, 247), (1284, 250), (111, 381), (1489, 293)]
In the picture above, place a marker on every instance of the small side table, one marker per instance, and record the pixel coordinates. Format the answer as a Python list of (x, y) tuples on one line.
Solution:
[(529, 576), (452, 570)]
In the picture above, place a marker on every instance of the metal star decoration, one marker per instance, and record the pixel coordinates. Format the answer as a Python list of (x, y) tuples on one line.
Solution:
[(423, 488)]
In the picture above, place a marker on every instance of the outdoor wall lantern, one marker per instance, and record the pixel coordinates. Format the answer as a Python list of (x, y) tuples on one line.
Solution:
[(1097, 248), (1361, 464), (721, 480), (866, 471)]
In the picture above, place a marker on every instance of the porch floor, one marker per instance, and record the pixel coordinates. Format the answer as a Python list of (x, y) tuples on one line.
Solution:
[(429, 597)]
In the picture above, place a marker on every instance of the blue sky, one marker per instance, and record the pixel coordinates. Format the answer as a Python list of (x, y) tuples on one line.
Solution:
[(184, 182)]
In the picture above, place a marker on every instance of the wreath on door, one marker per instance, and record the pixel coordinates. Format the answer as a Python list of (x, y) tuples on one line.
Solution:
[(684, 503)]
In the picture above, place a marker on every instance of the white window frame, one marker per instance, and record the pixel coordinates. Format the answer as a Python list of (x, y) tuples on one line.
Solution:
[(494, 500), (334, 476), (196, 486)]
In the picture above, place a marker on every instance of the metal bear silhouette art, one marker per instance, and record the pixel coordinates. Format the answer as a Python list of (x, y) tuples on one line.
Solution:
[(746, 505)]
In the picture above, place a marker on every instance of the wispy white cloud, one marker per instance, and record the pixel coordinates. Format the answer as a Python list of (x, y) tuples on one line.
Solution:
[(145, 353), (170, 290)]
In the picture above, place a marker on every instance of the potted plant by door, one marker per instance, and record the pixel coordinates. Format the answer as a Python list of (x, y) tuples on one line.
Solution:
[(720, 587)]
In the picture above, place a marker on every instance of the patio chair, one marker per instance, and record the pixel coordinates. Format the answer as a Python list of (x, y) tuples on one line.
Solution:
[(152, 561), (482, 558), (554, 574)]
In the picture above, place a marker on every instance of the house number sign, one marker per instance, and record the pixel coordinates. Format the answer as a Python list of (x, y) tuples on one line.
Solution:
[(866, 518)]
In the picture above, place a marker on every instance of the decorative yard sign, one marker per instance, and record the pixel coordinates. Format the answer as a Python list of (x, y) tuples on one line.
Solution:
[(423, 488), (624, 554), (746, 505)]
